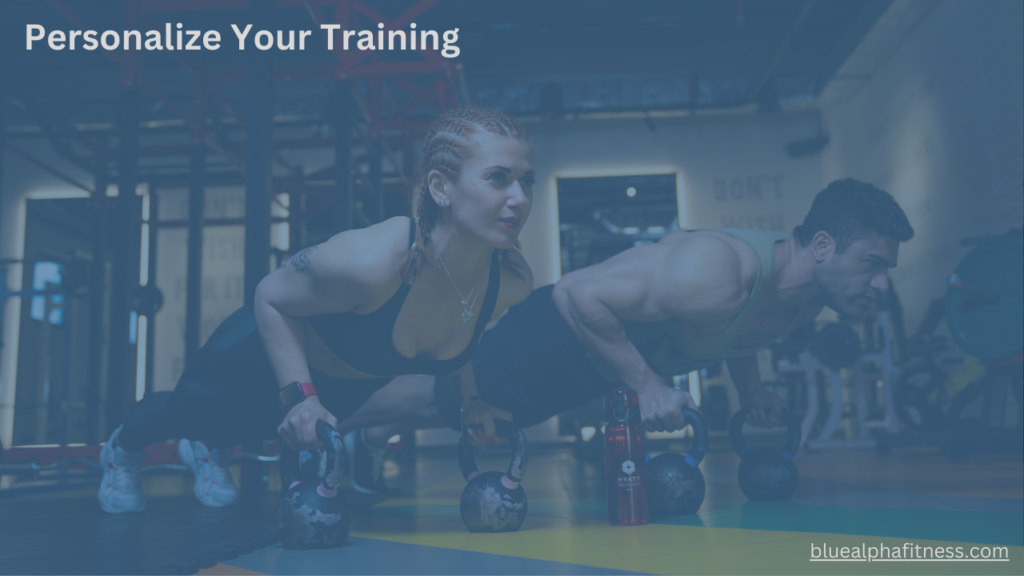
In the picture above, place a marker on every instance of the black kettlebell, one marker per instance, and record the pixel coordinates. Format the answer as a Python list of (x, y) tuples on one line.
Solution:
[(492, 501), (767, 473), (317, 515), (675, 484)]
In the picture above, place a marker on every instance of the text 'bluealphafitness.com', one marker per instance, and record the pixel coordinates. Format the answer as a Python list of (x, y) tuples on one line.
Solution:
[(908, 552)]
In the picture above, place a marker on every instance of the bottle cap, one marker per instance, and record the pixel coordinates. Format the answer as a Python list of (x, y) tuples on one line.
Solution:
[(622, 406)]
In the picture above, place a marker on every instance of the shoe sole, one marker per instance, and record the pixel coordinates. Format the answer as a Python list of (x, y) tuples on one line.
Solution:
[(189, 458)]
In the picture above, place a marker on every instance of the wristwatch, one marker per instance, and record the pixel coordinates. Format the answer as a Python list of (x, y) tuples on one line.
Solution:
[(294, 393)]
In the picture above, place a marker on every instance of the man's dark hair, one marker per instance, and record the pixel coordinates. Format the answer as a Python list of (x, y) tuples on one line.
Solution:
[(848, 210)]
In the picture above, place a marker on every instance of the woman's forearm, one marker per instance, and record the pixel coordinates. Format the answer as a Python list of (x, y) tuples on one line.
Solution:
[(464, 384)]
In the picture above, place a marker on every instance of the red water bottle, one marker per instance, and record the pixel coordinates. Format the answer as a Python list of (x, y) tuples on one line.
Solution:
[(624, 459)]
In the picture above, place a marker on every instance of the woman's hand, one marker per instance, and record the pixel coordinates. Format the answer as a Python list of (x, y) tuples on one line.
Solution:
[(477, 413), (298, 429)]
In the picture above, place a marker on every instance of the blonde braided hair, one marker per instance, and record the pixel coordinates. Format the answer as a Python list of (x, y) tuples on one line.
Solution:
[(447, 146)]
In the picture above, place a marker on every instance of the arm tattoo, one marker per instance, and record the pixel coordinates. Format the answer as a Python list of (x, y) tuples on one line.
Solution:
[(455, 383), (300, 262)]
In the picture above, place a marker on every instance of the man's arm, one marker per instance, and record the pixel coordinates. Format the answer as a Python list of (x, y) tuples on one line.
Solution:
[(604, 336), (767, 406), (697, 281)]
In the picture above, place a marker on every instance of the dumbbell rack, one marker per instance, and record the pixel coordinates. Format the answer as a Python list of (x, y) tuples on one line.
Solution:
[(809, 365)]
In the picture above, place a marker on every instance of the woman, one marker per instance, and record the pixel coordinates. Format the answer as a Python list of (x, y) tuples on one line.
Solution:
[(338, 320)]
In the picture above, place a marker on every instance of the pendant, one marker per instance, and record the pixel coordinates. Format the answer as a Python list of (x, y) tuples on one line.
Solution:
[(466, 315)]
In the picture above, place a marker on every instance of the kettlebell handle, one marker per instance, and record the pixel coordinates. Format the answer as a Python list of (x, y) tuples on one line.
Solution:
[(788, 418), (700, 436), (335, 449), (516, 439)]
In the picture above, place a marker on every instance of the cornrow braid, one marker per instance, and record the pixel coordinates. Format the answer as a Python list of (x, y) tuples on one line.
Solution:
[(447, 146)]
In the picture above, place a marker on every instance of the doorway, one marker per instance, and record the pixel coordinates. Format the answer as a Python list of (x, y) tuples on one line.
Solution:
[(602, 216)]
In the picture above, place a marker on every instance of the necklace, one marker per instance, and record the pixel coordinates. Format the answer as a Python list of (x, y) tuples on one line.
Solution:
[(467, 304)]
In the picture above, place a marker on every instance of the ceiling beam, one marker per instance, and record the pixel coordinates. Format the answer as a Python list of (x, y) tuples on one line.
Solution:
[(780, 50)]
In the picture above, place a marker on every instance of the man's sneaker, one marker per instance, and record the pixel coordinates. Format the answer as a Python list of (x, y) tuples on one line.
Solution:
[(365, 463), (214, 487), (121, 487)]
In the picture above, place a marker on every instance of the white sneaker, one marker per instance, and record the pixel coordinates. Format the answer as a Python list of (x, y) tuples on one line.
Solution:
[(214, 487), (365, 463), (121, 487)]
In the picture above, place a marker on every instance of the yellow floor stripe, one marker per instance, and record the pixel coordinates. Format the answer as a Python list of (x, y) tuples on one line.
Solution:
[(656, 548), (663, 549)]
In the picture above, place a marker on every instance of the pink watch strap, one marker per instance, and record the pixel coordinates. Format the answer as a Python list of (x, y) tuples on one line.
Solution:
[(307, 389), (294, 393)]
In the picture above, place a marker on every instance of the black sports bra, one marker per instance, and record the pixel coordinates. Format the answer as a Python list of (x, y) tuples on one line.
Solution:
[(365, 342)]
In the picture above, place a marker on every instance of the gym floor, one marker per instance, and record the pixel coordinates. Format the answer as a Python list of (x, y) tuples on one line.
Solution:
[(845, 498)]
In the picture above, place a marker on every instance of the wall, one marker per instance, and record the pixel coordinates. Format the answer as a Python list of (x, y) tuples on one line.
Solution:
[(732, 171), (929, 108), (223, 270)]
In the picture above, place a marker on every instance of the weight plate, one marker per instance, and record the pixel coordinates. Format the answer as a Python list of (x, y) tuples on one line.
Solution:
[(837, 346), (921, 398), (989, 331)]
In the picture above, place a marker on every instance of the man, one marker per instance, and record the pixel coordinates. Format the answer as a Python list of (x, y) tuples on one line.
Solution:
[(651, 312)]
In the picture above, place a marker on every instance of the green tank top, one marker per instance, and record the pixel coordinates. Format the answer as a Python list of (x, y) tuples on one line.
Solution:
[(671, 350)]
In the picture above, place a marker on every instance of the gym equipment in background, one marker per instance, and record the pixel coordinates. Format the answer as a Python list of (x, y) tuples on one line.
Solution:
[(74, 284), (837, 345), (841, 348), (985, 316), (985, 299)]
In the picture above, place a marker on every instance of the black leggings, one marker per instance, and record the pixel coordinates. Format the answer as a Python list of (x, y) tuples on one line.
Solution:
[(228, 394)]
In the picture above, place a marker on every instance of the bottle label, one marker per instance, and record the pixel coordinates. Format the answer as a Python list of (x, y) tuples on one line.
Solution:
[(628, 479)]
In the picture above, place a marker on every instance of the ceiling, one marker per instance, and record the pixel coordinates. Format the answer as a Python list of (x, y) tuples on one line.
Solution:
[(528, 58)]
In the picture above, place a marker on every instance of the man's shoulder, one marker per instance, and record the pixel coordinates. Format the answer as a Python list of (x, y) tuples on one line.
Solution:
[(704, 244), (704, 259), (705, 278)]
